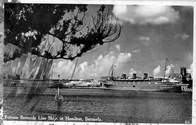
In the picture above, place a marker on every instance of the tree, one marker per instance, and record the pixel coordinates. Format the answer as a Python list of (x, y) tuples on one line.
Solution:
[(47, 32), (63, 22)]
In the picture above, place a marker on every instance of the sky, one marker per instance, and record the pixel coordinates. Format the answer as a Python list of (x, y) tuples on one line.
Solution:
[(149, 35)]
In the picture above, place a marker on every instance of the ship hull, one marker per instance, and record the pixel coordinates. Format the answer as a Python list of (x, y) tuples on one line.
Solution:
[(152, 89), (117, 86), (143, 86)]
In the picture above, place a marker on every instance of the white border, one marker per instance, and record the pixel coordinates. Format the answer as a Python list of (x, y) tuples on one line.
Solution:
[(74, 123), (122, 2)]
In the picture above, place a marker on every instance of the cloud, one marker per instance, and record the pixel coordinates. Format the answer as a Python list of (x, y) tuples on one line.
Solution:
[(190, 69), (63, 68), (132, 71), (99, 67), (120, 9), (117, 47), (114, 20), (169, 70), (157, 71), (136, 50), (145, 40), (147, 14), (183, 36)]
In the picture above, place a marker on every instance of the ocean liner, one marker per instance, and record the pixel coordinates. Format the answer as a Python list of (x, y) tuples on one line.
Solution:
[(146, 83), (110, 82)]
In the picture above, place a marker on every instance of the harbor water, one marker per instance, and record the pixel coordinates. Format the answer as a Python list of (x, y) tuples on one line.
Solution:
[(107, 105)]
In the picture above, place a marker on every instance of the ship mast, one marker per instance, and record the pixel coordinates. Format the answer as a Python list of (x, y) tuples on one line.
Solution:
[(165, 67), (111, 73)]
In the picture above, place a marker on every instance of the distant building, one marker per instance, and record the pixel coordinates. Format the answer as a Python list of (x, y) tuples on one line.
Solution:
[(186, 78)]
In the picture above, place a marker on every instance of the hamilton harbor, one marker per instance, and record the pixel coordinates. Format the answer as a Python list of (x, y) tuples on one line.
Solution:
[(97, 63), (109, 106), (88, 100)]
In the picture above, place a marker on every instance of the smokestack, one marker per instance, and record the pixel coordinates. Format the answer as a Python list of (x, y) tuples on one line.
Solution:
[(145, 76), (183, 74), (183, 71), (134, 76), (124, 76)]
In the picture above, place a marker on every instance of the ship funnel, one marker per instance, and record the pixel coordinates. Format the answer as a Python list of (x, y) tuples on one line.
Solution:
[(124, 76), (145, 76), (183, 71), (183, 74), (134, 76)]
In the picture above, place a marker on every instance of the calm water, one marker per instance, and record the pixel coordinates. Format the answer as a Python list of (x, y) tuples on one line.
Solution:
[(109, 106)]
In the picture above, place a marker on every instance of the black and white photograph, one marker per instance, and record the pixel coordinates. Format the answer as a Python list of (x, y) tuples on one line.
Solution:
[(1, 62), (103, 63)]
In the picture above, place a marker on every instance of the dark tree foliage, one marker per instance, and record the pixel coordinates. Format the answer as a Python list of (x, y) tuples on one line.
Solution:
[(103, 31), (40, 20)]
